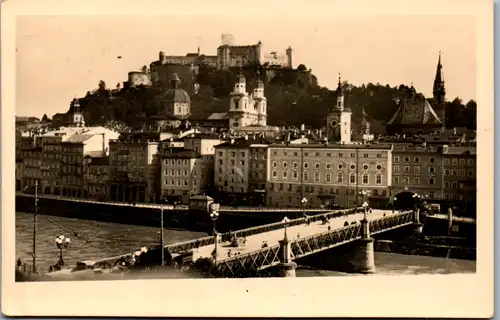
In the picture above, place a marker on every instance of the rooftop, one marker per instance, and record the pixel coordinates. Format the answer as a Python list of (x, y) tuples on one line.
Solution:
[(243, 143), (179, 153), (333, 146)]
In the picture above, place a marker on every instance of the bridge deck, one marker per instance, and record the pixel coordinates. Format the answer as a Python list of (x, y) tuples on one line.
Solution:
[(254, 242)]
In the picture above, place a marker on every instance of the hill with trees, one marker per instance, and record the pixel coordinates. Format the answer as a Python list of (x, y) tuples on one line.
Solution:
[(294, 98)]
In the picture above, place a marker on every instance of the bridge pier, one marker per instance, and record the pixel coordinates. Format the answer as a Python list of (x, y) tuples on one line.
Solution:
[(418, 227), (364, 256), (286, 268)]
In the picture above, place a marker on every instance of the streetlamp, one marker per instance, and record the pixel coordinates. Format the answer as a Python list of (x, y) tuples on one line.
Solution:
[(416, 201), (62, 243), (161, 237), (394, 203), (364, 194), (304, 203), (214, 215), (285, 222), (365, 209)]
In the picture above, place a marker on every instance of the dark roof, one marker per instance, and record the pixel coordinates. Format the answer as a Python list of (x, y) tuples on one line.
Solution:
[(78, 138), (94, 154), (203, 136), (243, 143), (415, 111), (179, 153), (99, 161), (374, 146)]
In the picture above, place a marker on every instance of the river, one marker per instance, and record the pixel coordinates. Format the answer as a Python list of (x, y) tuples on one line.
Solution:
[(91, 240)]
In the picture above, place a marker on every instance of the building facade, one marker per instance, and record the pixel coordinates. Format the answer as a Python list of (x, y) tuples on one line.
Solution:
[(328, 174), (134, 168), (95, 171), (418, 169), (180, 173), (247, 110), (459, 174)]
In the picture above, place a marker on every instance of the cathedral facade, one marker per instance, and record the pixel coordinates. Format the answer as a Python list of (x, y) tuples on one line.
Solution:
[(247, 109)]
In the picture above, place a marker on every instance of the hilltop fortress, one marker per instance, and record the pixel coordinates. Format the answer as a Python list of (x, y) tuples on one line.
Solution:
[(229, 56)]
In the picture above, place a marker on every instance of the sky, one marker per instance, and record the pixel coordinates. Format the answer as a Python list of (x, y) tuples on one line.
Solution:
[(62, 57)]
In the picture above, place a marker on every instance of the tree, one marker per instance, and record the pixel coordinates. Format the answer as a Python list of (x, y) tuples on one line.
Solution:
[(45, 118), (301, 67), (102, 85)]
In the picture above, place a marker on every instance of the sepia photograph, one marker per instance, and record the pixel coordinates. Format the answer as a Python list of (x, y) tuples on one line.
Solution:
[(248, 145)]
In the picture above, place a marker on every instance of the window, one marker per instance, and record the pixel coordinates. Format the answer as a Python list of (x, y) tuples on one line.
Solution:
[(328, 166), (365, 167), (432, 169), (396, 180), (416, 159), (431, 195), (316, 165), (341, 155), (416, 181), (328, 177), (275, 164), (295, 154), (432, 180), (379, 155), (375, 192), (306, 154), (352, 178), (242, 162), (454, 184), (431, 159), (285, 164), (470, 173), (365, 155), (328, 154), (461, 185), (275, 174), (470, 161), (295, 175), (447, 161), (461, 172), (396, 159), (352, 166), (447, 172), (340, 166), (340, 177), (353, 155), (295, 165), (233, 154), (306, 165), (406, 181), (416, 169), (407, 159), (284, 174), (306, 176), (454, 161), (406, 169), (446, 184), (396, 168), (462, 161), (379, 179), (316, 176), (365, 178), (317, 154), (379, 167)]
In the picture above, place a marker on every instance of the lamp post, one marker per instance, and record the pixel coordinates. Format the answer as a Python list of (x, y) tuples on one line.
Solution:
[(161, 237), (365, 209), (62, 243), (416, 201), (35, 212), (214, 215), (304, 203), (394, 204), (364, 194), (285, 223)]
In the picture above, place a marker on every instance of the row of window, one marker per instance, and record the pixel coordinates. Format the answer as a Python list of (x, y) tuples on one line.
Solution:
[(178, 172), (312, 189), (447, 160), (459, 172), (72, 159), (130, 169), (328, 177), (455, 161), (233, 154), (416, 169), (317, 165), (178, 182), (397, 159), (72, 169), (72, 180), (415, 180), (126, 157), (49, 156), (453, 185), (327, 154), (178, 162)]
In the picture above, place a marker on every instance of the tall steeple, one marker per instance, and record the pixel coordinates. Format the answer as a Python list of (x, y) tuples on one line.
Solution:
[(340, 96), (175, 81), (439, 90)]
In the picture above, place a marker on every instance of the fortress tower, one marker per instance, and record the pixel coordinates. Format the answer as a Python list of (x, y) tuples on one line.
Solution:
[(339, 120), (260, 102), (289, 53), (77, 114)]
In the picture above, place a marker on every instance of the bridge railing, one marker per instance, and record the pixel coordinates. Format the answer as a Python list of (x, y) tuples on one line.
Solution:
[(256, 260), (391, 221), (293, 222)]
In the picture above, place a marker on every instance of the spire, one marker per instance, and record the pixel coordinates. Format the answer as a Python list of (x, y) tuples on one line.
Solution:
[(175, 81), (241, 76), (198, 50), (439, 91), (339, 87), (260, 84)]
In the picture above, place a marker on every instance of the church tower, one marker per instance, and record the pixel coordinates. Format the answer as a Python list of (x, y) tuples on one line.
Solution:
[(339, 120), (260, 102), (77, 114), (238, 104), (439, 92)]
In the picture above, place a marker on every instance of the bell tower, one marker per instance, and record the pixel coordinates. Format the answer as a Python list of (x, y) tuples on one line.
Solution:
[(338, 125), (439, 91), (77, 114), (238, 104)]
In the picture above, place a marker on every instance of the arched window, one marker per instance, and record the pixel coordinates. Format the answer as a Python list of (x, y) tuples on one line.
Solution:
[(352, 178), (340, 177), (379, 179), (365, 178)]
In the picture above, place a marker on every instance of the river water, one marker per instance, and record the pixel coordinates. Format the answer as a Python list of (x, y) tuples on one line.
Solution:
[(91, 240)]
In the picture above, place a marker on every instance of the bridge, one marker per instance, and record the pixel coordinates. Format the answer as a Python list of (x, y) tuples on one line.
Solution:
[(278, 244)]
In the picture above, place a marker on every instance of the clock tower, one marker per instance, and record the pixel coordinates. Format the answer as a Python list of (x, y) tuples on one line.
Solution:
[(338, 124)]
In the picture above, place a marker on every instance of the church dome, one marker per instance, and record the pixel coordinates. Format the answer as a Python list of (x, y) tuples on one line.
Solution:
[(175, 94)]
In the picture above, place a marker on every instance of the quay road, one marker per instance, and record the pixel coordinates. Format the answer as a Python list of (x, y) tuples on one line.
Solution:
[(171, 207), (254, 242)]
